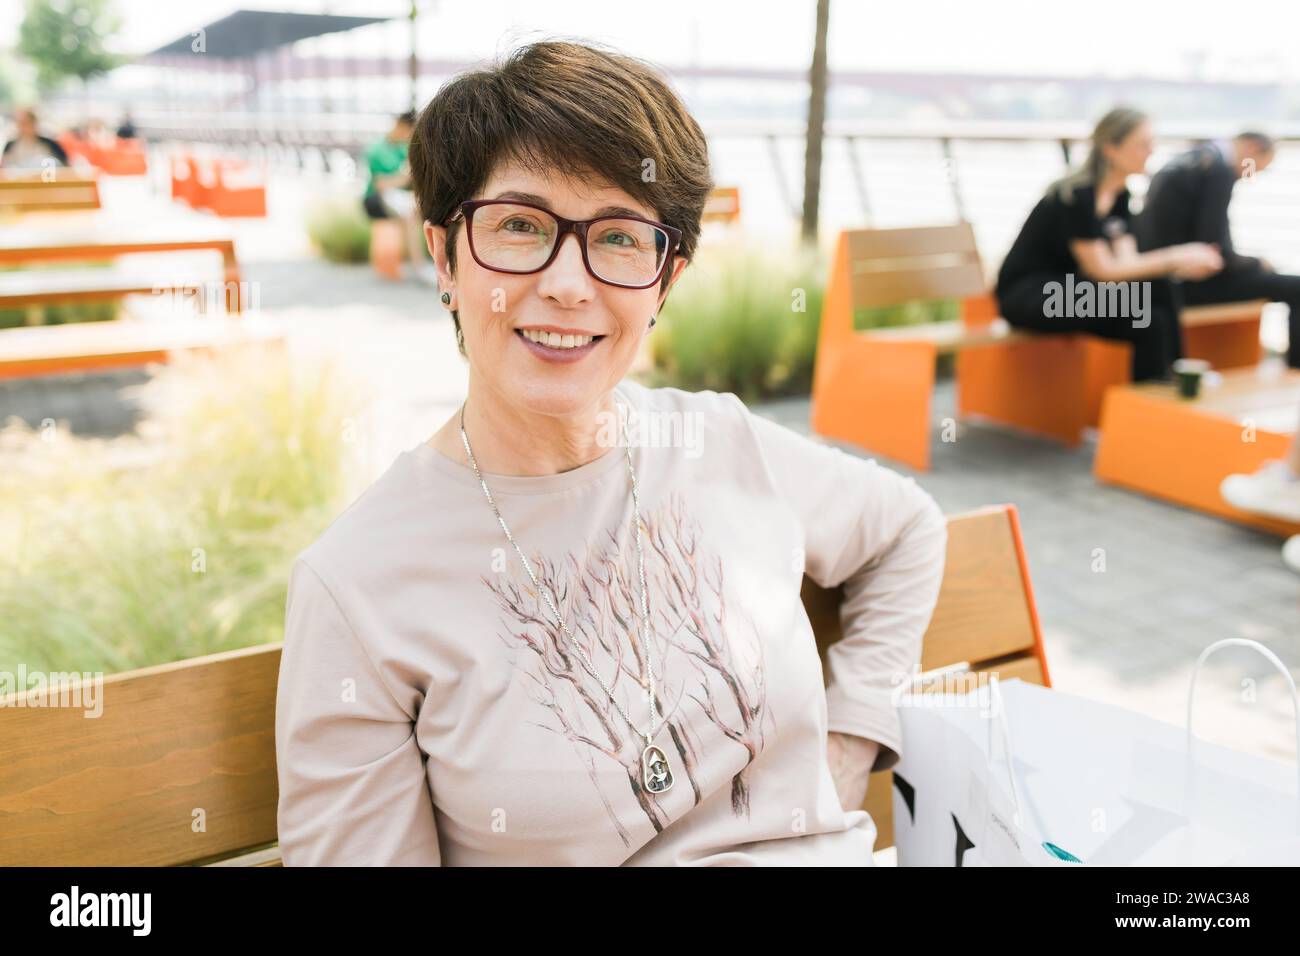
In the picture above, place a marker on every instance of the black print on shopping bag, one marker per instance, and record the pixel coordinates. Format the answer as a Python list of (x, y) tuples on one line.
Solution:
[(963, 841), (908, 793)]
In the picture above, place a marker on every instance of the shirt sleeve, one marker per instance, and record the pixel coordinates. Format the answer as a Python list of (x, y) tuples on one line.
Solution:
[(882, 537), (353, 790), (1081, 220)]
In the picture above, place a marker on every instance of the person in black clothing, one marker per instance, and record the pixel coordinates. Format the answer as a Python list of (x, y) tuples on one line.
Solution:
[(29, 149), (1188, 201), (1075, 266)]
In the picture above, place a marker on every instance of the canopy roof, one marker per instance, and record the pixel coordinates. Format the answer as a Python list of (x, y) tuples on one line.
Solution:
[(246, 33)]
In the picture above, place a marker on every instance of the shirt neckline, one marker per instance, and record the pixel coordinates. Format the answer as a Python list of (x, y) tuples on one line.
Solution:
[(463, 474)]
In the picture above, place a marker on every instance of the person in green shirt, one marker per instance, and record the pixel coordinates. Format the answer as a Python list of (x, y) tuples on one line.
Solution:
[(386, 167), (388, 192)]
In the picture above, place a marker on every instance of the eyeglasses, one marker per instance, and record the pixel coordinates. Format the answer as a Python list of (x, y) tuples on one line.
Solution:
[(521, 238)]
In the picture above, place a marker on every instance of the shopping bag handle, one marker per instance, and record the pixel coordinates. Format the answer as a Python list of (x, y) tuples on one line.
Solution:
[(998, 717), (1268, 656)]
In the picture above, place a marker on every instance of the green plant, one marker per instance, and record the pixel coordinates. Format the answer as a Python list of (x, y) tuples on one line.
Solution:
[(339, 228), (60, 314), (742, 319), (111, 564), (733, 322)]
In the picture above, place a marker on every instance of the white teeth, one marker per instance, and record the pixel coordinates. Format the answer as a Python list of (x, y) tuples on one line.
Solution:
[(556, 341)]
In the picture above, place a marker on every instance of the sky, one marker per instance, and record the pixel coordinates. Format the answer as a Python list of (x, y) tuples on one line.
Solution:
[(1162, 38)]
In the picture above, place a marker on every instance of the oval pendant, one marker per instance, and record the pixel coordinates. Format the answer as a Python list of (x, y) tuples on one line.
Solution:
[(655, 770)]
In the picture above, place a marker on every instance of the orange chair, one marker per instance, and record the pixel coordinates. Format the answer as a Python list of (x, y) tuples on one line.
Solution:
[(873, 388)]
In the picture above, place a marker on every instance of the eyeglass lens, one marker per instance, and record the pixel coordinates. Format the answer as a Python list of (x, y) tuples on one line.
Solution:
[(520, 238)]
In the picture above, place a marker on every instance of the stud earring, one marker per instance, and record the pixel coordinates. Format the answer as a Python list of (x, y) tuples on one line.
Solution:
[(446, 298), (652, 323)]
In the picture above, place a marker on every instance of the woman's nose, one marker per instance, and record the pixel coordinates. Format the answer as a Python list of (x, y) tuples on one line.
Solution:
[(566, 277)]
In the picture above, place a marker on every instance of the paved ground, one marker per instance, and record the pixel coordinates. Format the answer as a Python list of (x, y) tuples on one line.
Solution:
[(1174, 581)]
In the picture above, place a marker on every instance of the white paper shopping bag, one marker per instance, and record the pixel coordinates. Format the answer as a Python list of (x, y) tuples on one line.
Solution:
[(958, 805), (1088, 781)]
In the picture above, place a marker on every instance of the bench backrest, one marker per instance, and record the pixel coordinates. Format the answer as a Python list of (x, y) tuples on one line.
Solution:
[(985, 617), (35, 195), (180, 766), (875, 268)]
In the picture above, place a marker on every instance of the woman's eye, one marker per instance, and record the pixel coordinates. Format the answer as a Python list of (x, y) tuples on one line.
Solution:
[(618, 239), (509, 225)]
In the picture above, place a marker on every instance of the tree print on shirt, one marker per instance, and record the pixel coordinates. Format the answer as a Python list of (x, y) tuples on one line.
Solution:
[(710, 682)]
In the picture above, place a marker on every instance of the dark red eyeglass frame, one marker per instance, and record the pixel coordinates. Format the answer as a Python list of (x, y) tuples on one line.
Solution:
[(579, 227)]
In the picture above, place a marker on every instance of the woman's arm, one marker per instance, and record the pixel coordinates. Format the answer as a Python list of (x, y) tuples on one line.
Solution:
[(353, 790), (1123, 263), (882, 537)]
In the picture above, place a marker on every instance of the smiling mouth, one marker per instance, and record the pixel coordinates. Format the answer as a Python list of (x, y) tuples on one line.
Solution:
[(557, 342)]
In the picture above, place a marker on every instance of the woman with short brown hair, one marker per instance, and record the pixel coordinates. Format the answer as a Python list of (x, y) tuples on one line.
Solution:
[(567, 629)]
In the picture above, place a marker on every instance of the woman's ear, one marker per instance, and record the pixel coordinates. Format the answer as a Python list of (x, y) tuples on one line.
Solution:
[(678, 265), (435, 237)]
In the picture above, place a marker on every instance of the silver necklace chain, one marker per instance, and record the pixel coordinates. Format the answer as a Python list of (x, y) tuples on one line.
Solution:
[(646, 681)]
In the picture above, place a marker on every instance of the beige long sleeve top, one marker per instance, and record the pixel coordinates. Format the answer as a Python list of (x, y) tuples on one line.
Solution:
[(430, 712)]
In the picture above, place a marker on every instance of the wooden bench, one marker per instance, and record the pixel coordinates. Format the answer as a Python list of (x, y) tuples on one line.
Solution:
[(83, 346), (32, 194), (124, 789), (1180, 450), (95, 346), (873, 388)]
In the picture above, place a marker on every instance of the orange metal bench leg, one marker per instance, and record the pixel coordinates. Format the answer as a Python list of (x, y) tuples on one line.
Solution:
[(1106, 363), (1156, 447), (1035, 385), (1229, 345), (876, 394)]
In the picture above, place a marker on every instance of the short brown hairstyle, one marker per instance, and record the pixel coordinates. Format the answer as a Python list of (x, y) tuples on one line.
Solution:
[(571, 107)]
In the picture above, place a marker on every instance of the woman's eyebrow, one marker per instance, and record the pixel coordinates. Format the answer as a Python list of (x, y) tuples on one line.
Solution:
[(541, 201)]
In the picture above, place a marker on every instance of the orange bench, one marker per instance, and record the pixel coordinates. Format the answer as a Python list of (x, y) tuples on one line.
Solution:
[(1226, 335), (873, 388), (225, 187), (1180, 450), (722, 205)]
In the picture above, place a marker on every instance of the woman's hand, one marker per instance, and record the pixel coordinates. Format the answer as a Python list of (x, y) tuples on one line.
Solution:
[(850, 759), (1196, 260)]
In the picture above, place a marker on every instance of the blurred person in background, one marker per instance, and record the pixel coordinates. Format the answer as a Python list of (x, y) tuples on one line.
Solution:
[(388, 192), (29, 149), (1081, 231), (126, 130), (1188, 202)]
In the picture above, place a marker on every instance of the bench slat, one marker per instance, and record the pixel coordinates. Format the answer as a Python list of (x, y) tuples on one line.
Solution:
[(39, 350), (41, 286)]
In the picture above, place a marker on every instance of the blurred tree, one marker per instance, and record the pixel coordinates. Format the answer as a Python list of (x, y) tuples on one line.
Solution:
[(65, 38)]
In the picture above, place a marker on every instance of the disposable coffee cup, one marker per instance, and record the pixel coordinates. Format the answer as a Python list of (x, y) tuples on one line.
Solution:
[(1189, 373)]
